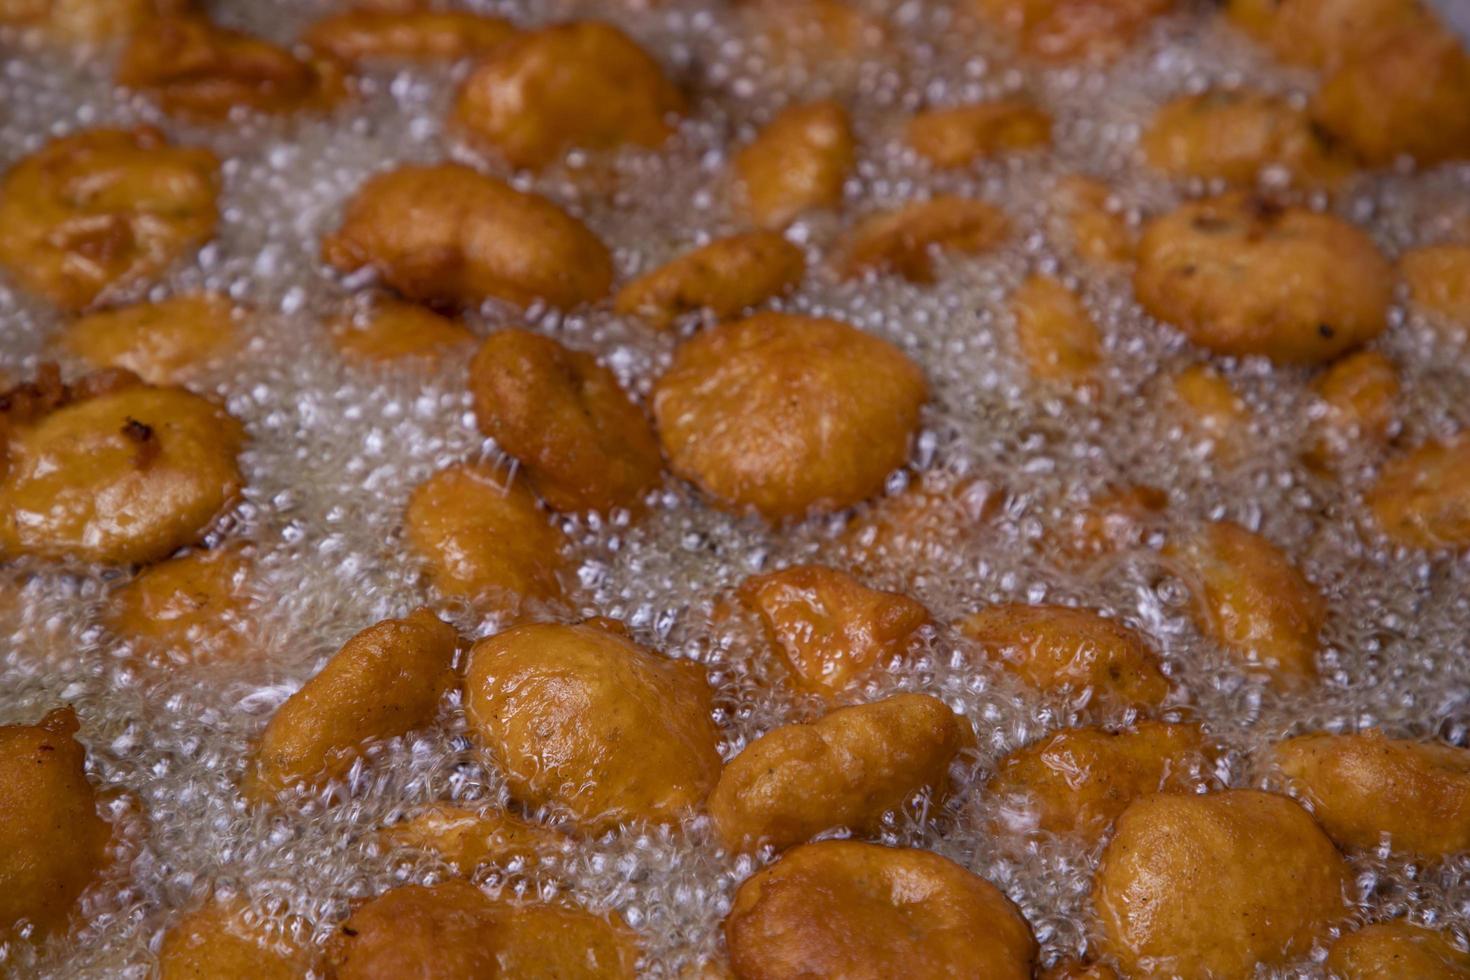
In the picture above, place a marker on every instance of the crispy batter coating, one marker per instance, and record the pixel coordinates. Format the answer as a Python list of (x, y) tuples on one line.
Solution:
[(1061, 648), (1252, 600), (581, 85), (87, 21), (198, 70), (1241, 276), (1359, 394), (583, 442), (453, 931), (468, 839), (1214, 885), (221, 941), (796, 164), (1088, 217), (1071, 30), (581, 717), (52, 841), (385, 330), (485, 538), (1211, 412), (1078, 780), (1439, 280), (724, 278), (124, 477), (104, 210), (1058, 339), (419, 35), (1366, 787), (386, 681), (959, 136), (447, 234), (162, 342), (906, 240), (846, 769), (198, 602), (828, 628), (1404, 96), (864, 912), (1397, 950), (787, 415), (1322, 33), (1236, 135), (1422, 498)]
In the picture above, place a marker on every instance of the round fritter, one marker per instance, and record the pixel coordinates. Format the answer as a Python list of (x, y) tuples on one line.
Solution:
[(1422, 498), (582, 85), (796, 164), (383, 330), (1057, 336), (1359, 393), (723, 278), (582, 441), (584, 718), (163, 342), (447, 234), (1438, 277), (1397, 951), (221, 941), (864, 912), (385, 682), (1322, 33), (787, 414), (1366, 788), (124, 477), (104, 210), (1242, 276), (846, 769), (52, 840), (485, 538), (197, 602), (1214, 885)]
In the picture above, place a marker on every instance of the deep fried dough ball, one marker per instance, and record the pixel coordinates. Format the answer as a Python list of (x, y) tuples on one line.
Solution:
[(1397, 950), (104, 209), (1241, 276), (448, 234), (1213, 413), (485, 538), (87, 21), (196, 602), (906, 240), (583, 85), (163, 342), (1072, 30), (1060, 648), (584, 718), (386, 681), (199, 70), (864, 912), (421, 35), (1406, 95), (1439, 280), (828, 628), (961, 135), (846, 769), (796, 164), (787, 415), (917, 526), (1088, 216), (1422, 498), (723, 278), (1057, 336), (1078, 780), (468, 839), (52, 841), (1251, 599), (1359, 393), (1236, 135), (1214, 885), (385, 330), (220, 941), (1366, 787), (125, 477), (453, 931), (1322, 33), (583, 442)]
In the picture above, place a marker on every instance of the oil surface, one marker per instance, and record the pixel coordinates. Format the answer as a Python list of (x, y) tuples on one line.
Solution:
[(335, 449)]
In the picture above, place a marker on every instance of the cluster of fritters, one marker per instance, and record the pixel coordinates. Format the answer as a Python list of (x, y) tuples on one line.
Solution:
[(765, 413)]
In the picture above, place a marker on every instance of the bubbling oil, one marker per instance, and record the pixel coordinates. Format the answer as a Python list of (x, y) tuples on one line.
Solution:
[(335, 450)]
